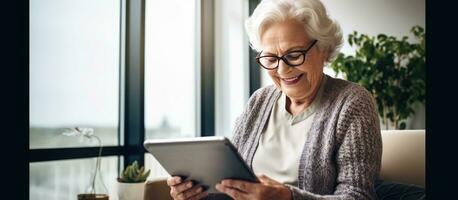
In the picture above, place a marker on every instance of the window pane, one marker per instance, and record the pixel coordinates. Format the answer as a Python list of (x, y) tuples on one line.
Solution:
[(74, 70), (57, 180), (170, 69), (231, 56)]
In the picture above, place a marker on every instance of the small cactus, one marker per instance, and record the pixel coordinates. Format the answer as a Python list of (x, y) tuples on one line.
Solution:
[(134, 174)]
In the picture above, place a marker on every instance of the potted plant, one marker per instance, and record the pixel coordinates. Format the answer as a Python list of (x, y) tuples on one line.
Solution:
[(131, 183), (91, 193), (392, 69)]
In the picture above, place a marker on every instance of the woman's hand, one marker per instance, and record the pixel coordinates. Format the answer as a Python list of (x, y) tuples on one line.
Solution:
[(180, 190), (268, 189)]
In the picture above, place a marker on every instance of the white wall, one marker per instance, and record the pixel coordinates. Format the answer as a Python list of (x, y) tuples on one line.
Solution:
[(391, 17)]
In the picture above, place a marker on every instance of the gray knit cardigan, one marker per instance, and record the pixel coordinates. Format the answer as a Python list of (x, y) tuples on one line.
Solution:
[(342, 154)]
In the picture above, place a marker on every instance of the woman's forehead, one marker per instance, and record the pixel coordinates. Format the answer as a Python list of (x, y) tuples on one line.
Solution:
[(284, 35), (281, 45)]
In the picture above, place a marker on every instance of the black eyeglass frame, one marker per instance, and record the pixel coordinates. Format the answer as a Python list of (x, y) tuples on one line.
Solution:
[(304, 53)]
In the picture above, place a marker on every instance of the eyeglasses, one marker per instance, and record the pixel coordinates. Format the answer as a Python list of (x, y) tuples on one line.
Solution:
[(292, 58)]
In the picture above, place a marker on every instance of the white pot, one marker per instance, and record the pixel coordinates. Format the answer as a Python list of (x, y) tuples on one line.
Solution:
[(130, 191)]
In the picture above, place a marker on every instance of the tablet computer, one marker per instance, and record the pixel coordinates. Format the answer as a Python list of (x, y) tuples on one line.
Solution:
[(206, 160)]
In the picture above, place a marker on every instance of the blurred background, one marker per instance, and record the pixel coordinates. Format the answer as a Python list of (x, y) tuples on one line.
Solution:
[(145, 69)]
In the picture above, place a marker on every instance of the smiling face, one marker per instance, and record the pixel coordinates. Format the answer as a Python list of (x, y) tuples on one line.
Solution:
[(299, 83)]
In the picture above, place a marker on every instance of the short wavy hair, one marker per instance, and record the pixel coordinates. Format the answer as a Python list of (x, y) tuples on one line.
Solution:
[(311, 13)]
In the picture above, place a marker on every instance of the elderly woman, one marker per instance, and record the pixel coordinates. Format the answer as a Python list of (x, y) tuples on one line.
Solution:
[(309, 136)]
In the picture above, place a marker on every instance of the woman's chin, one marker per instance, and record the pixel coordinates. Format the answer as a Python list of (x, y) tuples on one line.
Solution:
[(299, 91), (291, 91), (291, 88)]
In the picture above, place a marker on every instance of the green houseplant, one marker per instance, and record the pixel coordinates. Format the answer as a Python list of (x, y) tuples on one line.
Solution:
[(134, 174), (392, 69), (131, 182)]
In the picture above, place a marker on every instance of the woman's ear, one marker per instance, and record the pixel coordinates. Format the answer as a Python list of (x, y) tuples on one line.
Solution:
[(324, 56)]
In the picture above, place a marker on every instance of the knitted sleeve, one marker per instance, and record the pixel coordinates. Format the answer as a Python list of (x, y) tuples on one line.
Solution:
[(251, 108), (358, 150)]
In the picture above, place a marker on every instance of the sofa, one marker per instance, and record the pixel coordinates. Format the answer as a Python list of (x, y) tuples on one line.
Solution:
[(402, 170), (403, 157)]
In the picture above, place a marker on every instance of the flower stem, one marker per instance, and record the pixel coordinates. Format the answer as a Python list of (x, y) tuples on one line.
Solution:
[(97, 165)]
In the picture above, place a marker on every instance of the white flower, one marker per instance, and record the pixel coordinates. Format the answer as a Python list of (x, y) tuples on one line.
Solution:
[(86, 132), (89, 134)]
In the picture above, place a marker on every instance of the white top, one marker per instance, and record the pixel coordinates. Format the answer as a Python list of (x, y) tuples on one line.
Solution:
[(282, 142)]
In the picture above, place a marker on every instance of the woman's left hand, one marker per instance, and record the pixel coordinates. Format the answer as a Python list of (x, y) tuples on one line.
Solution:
[(243, 190)]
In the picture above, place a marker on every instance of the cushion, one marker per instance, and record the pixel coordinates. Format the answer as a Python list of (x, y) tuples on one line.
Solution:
[(403, 158)]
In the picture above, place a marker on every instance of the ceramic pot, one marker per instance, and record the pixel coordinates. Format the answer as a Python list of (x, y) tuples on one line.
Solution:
[(130, 191)]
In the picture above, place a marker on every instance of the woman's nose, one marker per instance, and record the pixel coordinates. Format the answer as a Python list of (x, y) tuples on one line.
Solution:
[(283, 68)]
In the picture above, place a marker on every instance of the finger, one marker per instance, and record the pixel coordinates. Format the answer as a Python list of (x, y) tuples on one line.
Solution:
[(244, 186), (199, 196), (190, 193), (265, 179), (183, 186), (173, 192), (173, 180), (232, 192)]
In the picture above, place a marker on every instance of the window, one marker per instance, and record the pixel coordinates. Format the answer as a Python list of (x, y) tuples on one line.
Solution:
[(231, 63), (65, 179), (170, 73), (74, 82), (170, 69), (132, 70), (74, 70)]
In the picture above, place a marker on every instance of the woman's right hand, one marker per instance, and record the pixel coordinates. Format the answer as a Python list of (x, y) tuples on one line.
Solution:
[(186, 190)]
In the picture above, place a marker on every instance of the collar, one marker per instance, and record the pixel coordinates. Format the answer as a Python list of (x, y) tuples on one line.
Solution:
[(281, 104)]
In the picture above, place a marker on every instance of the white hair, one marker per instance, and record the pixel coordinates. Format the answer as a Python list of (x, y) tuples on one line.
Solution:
[(311, 13)]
